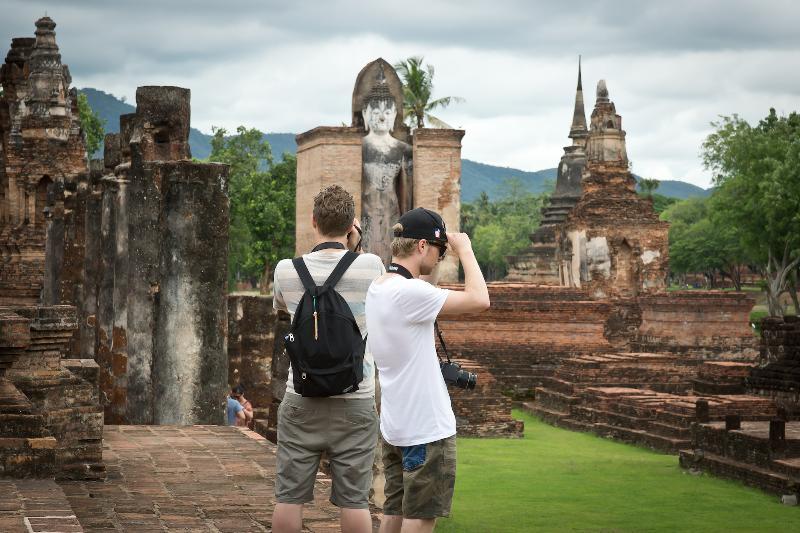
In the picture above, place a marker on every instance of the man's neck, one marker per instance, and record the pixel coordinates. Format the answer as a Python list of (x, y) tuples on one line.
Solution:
[(409, 264), (324, 238)]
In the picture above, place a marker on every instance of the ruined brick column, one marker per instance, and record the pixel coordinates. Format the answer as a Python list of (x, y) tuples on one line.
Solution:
[(190, 353), (158, 133), (111, 341), (437, 183), (325, 156), (144, 236), (91, 259), (54, 245)]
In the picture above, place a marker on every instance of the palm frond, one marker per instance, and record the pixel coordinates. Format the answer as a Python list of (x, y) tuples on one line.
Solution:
[(437, 122)]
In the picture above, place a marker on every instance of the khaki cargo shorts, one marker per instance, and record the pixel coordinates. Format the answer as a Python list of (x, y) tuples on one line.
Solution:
[(345, 428), (420, 479)]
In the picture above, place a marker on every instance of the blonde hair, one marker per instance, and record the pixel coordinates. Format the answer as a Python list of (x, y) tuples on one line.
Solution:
[(402, 246)]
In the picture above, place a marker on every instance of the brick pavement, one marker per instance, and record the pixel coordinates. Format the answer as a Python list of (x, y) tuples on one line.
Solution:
[(194, 478), (35, 505)]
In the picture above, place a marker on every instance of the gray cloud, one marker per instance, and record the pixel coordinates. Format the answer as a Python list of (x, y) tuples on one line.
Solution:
[(289, 66)]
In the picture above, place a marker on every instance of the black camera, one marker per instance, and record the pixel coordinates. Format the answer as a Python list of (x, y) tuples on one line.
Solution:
[(453, 375)]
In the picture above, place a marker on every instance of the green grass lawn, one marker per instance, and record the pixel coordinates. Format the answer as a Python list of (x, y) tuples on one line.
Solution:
[(559, 480)]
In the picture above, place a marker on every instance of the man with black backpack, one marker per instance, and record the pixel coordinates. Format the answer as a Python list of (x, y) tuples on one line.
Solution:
[(329, 405)]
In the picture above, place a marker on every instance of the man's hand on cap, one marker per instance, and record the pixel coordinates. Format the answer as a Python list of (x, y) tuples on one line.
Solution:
[(459, 242)]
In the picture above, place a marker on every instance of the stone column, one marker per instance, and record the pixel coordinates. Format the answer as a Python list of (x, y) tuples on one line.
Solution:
[(325, 155), (110, 344), (437, 183), (190, 346), (144, 202), (91, 261), (54, 245)]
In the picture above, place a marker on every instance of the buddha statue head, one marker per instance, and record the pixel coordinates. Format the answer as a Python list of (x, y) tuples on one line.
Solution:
[(379, 109)]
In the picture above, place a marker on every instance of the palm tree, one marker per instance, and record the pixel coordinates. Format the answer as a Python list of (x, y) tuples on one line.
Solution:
[(648, 186), (417, 89)]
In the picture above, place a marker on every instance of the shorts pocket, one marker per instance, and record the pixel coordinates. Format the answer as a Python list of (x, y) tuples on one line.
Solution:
[(297, 415), (361, 417), (413, 456)]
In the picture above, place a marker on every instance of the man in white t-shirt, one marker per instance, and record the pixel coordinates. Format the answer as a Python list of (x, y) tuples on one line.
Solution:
[(345, 427), (417, 421)]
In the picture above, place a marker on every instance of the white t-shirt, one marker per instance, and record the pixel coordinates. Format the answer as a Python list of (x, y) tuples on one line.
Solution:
[(415, 405), (289, 290)]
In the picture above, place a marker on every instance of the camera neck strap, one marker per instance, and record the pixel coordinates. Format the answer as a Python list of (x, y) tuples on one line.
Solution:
[(327, 246), (394, 268)]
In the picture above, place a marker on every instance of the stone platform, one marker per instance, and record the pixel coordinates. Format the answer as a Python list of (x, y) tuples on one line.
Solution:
[(165, 478), (644, 398), (748, 454)]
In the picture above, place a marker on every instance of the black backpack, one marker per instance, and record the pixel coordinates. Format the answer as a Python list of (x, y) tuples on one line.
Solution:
[(324, 343)]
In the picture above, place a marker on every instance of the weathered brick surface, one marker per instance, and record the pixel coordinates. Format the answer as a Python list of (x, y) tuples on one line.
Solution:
[(170, 478), (325, 156), (251, 336), (747, 455), (35, 506), (706, 323), (618, 244), (437, 183), (41, 153), (483, 411), (527, 331), (52, 421), (778, 373)]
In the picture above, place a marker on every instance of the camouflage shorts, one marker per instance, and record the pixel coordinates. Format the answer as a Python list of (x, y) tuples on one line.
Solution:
[(420, 479)]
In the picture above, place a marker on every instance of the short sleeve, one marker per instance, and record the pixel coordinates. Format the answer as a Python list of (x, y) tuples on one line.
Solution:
[(380, 266), (421, 301), (277, 296), (238, 407)]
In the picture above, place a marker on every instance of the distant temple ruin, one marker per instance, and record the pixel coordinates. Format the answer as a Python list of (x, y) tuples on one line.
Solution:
[(597, 233), (41, 152)]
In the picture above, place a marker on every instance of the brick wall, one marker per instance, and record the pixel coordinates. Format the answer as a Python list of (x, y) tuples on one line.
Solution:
[(325, 156), (706, 323)]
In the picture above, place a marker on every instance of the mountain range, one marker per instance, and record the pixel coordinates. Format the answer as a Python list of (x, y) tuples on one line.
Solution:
[(475, 177)]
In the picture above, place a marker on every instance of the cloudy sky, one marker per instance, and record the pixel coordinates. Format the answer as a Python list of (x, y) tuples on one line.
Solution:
[(671, 67)]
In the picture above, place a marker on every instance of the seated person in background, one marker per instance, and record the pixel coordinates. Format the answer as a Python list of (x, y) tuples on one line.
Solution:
[(234, 411), (238, 394)]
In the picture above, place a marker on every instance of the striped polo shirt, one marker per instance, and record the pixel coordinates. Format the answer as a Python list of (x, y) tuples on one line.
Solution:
[(289, 290)]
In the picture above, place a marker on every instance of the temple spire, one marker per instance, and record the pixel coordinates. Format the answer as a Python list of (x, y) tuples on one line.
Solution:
[(578, 130)]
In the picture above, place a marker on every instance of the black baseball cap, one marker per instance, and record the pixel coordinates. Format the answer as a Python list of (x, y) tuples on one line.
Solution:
[(421, 223)]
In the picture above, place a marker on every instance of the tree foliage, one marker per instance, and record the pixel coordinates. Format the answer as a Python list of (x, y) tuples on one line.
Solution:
[(262, 195), (757, 173), (91, 124), (502, 227), (648, 186), (418, 91), (700, 242)]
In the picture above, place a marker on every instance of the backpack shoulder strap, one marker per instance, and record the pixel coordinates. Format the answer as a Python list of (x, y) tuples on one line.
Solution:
[(341, 267), (305, 275)]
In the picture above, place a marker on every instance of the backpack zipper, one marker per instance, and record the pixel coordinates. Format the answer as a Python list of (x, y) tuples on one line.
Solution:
[(316, 330)]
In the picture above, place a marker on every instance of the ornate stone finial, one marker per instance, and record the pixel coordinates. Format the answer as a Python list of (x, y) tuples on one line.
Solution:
[(380, 89), (602, 92)]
